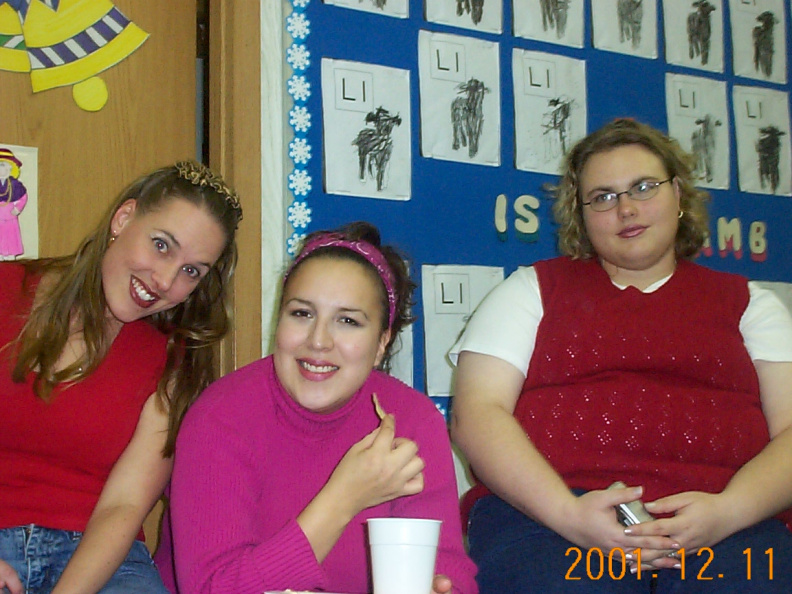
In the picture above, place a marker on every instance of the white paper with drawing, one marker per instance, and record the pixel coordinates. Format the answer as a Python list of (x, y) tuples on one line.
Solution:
[(450, 294), (626, 26), (698, 117), (366, 113), (477, 15), (391, 8), (694, 33), (549, 108), (759, 39), (552, 21), (761, 120), (460, 98)]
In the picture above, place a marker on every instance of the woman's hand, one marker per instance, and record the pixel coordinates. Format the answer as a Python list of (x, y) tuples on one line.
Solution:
[(590, 521), (379, 468), (9, 579), (441, 584), (698, 520)]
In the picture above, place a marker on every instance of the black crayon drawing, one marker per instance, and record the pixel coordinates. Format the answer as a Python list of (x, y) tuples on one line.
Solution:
[(378, 3), (554, 15), (699, 30), (768, 149), (763, 42), (375, 145), (467, 115), (703, 142), (556, 124), (475, 8), (630, 14)]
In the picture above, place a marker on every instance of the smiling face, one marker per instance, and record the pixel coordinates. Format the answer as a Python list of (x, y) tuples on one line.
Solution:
[(5, 170), (158, 258), (635, 239), (329, 335)]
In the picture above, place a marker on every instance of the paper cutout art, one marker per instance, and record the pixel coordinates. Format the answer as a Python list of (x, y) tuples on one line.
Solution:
[(626, 26), (698, 117), (553, 21), (761, 120), (449, 295), (13, 199), (392, 8), (480, 15), (18, 203), (694, 33), (366, 114), (460, 98), (549, 108), (759, 39), (66, 42)]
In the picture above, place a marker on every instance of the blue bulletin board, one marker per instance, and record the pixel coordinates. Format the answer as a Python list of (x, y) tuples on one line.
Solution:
[(452, 215)]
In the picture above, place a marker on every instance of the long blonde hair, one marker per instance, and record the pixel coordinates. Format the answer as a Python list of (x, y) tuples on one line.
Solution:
[(76, 294)]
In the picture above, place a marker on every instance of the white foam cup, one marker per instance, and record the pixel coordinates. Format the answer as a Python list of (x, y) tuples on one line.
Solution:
[(403, 553)]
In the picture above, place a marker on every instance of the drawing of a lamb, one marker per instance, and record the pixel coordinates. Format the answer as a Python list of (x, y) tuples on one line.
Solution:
[(467, 115), (375, 145), (699, 30)]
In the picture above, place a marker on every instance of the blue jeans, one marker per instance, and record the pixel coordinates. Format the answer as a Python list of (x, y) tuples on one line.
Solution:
[(517, 555), (39, 555)]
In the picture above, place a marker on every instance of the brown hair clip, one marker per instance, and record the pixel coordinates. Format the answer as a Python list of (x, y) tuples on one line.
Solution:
[(200, 175)]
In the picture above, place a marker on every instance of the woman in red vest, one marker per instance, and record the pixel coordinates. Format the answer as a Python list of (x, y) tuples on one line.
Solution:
[(624, 361)]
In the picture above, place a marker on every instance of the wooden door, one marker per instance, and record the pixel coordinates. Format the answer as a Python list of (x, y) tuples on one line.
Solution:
[(86, 158)]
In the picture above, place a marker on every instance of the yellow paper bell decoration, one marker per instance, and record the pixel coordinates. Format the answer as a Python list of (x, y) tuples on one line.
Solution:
[(66, 42), (13, 52)]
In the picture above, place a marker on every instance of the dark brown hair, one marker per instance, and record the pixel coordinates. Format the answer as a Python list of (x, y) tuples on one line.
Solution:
[(403, 284)]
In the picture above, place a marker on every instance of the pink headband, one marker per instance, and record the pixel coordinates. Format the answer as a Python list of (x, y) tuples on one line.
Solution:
[(372, 255)]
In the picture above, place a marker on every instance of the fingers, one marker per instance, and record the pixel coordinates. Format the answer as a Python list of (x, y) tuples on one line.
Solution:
[(652, 535), (618, 495), (406, 453), (394, 461), (414, 486), (386, 430), (382, 435), (441, 584), (667, 505), (9, 579)]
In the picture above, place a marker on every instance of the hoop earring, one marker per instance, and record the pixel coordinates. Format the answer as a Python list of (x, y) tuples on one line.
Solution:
[(679, 216)]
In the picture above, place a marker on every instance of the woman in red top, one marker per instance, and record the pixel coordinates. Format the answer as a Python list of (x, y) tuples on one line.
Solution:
[(104, 351), (625, 361)]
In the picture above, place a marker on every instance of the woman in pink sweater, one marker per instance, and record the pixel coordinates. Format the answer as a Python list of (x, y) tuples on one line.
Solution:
[(280, 463)]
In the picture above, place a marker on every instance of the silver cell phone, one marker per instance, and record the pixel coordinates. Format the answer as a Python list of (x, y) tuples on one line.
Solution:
[(633, 512)]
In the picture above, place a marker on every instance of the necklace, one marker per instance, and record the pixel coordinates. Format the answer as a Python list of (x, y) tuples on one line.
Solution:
[(74, 351)]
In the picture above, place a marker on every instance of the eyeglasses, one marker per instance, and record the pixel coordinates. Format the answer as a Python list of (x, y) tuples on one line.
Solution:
[(643, 190)]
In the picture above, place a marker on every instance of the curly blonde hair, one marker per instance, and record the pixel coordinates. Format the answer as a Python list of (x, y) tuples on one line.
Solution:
[(573, 241)]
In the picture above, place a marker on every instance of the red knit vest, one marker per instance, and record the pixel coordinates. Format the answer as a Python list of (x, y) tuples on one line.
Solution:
[(653, 389)]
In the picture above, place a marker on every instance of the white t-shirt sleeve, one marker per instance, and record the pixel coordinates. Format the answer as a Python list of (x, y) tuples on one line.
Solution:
[(766, 326), (505, 323)]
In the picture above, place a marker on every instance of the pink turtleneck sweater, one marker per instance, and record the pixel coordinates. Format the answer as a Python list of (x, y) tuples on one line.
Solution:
[(249, 459)]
